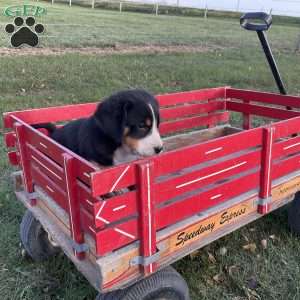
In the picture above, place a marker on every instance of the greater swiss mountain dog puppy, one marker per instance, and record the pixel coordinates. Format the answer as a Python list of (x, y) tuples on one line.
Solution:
[(123, 128)]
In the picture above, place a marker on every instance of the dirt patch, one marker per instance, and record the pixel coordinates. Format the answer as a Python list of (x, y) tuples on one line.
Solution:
[(120, 49)]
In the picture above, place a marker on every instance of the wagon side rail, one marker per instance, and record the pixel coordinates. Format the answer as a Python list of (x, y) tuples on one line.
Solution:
[(187, 110), (232, 165), (176, 189), (262, 104), (56, 170)]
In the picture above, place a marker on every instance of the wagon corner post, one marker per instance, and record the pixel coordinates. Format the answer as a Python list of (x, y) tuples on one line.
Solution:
[(266, 170), (73, 206), (146, 208), (23, 158)]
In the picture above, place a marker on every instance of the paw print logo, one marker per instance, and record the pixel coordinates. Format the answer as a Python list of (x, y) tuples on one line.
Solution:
[(24, 33)]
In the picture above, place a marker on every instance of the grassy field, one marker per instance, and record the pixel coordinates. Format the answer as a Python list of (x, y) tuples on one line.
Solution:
[(78, 27), (233, 58)]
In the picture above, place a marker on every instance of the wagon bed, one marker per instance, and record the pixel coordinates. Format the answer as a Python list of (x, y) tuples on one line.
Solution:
[(212, 179)]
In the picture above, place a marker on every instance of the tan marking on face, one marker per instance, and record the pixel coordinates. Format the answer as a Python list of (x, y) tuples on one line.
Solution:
[(126, 131), (148, 122), (132, 143)]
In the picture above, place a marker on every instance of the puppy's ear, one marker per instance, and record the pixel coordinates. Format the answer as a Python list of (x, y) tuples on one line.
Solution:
[(111, 118)]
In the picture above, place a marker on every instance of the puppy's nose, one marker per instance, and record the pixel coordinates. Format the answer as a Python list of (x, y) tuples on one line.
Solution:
[(158, 149)]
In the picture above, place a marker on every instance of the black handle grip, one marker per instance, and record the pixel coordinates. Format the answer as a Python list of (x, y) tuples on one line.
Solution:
[(256, 21)]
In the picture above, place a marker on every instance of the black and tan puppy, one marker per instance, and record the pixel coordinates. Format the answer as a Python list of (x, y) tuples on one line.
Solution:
[(124, 127)]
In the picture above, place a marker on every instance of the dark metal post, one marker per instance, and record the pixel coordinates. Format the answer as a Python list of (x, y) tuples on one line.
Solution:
[(271, 61)]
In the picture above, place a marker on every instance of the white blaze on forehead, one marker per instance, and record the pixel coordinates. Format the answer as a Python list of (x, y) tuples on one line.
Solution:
[(153, 117)]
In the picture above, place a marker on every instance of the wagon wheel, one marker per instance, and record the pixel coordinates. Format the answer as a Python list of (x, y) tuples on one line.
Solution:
[(294, 214), (35, 239), (166, 284)]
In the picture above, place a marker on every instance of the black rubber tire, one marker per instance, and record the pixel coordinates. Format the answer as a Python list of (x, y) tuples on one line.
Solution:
[(115, 295), (294, 214), (166, 284), (35, 239)]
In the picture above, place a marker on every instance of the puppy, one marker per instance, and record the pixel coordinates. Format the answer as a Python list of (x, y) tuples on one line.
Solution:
[(123, 128)]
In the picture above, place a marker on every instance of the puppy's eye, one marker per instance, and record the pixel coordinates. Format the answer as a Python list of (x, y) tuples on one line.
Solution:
[(142, 126)]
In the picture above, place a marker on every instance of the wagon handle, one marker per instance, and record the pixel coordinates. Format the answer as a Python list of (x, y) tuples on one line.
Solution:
[(256, 21), (261, 22)]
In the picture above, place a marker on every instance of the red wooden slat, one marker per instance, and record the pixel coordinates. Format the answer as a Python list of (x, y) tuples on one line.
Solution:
[(191, 96), (46, 166), (115, 237), (271, 98), (50, 114), (188, 207), (10, 139), (286, 166), (183, 124), (45, 145), (200, 178), (212, 125), (84, 193), (287, 147), (14, 158), (192, 155), (113, 179), (191, 109), (263, 111), (49, 187), (114, 209), (286, 127), (246, 119)]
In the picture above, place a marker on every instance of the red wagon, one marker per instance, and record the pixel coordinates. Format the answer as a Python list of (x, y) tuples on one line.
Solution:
[(212, 179), (206, 184)]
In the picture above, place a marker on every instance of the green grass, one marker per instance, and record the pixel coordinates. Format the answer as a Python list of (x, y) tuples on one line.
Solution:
[(81, 26), (38, 81)]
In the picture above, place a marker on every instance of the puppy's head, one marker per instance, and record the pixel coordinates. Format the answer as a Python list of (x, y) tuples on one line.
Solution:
[(131, 119)]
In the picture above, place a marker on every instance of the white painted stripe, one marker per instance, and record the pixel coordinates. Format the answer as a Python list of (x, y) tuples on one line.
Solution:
[(39, 162), (86, 174), (89, 202), (43, 145), (119, 207), (149, 215), (99, 211), (291, 146), (49, 188), (124, 233), (269, 161), (92, 229), (214, 150), (68, 196), (120, 177), (211, 175), (103, 220), (216, 196)]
